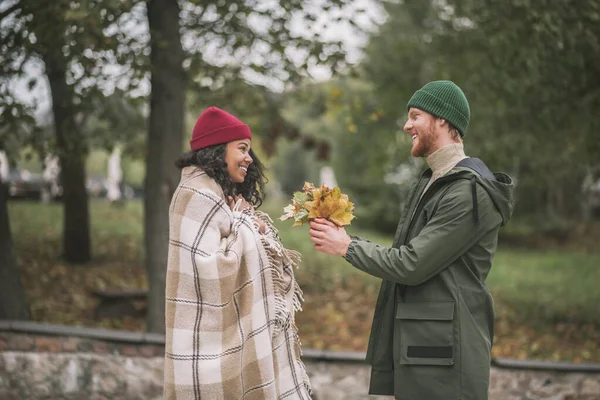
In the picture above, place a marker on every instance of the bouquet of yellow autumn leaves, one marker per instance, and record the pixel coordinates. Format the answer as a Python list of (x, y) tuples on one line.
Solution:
[(321, 202)]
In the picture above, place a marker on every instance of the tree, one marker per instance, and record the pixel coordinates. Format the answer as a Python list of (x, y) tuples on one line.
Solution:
[(539, 57), (15, 121), (165, 137), (72, 41), (224, 42), (519, 63)]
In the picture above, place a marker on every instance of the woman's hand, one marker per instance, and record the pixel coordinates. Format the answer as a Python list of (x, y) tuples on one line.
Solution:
[(244, 205)]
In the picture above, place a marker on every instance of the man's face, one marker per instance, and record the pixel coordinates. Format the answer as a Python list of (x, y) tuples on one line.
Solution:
[(421, 127)]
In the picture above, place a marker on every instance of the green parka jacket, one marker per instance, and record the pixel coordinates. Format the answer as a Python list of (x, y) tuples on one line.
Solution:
[(433, 326)]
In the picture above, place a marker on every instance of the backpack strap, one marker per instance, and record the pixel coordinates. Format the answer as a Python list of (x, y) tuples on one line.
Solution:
[(478, 166), (480, 169)]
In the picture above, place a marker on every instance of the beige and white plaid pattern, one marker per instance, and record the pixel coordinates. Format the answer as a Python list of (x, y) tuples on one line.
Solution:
[(230, 302)]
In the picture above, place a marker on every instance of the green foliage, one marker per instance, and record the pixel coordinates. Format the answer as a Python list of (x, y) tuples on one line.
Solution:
[(117, 119), (293, 167), (258, 40), (240, 52), (530, 71), (72, 42)]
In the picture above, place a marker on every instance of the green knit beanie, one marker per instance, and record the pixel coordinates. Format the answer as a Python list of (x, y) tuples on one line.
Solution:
[(445, 100)]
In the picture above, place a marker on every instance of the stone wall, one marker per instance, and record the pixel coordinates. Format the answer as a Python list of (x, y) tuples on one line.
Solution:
[(77, 363)]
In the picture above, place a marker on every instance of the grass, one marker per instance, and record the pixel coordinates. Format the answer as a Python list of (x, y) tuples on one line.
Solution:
[(552, 286), (546, 299)]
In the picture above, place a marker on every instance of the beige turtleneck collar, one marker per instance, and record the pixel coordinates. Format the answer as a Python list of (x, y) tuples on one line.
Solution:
[(443, 160)]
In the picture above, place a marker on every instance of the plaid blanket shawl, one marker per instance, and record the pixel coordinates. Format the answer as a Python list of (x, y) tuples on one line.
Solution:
[(230, 302)]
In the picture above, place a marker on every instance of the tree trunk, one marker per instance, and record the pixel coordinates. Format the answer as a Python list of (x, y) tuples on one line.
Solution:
[(76, 219), (13, 302), (71, 149), (165, 137), (72, 153)]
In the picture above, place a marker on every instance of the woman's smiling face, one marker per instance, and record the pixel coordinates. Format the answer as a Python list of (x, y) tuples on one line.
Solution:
[(237, 157)]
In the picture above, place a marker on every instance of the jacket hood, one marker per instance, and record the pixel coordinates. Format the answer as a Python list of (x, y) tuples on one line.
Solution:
[(499, 186), (501, 190)]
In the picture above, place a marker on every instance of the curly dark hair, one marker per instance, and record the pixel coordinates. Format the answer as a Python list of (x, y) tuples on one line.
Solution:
[(211, 160)]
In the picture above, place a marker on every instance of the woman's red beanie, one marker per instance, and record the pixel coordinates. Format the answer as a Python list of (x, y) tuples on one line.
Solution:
[(216, 126)]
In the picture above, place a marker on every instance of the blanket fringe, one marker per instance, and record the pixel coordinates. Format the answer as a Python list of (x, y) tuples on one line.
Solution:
[(288, 257), (281, 259)]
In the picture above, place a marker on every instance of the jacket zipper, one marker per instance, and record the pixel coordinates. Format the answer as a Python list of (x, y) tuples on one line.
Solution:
[(422, 201), (403, 234)]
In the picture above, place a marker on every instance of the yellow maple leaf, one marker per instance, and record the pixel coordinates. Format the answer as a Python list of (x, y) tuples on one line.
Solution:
[(343, 216), (330, 203), (313, 208)]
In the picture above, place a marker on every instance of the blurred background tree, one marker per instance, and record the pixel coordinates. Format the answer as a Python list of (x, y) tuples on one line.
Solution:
[(72, 44), (530, 71)]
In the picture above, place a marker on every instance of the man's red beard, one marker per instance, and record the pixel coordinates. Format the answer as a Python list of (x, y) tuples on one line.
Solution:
[(425, 142)]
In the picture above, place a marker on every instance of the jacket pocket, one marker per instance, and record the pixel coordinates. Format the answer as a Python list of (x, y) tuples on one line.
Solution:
[(426, 333)]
